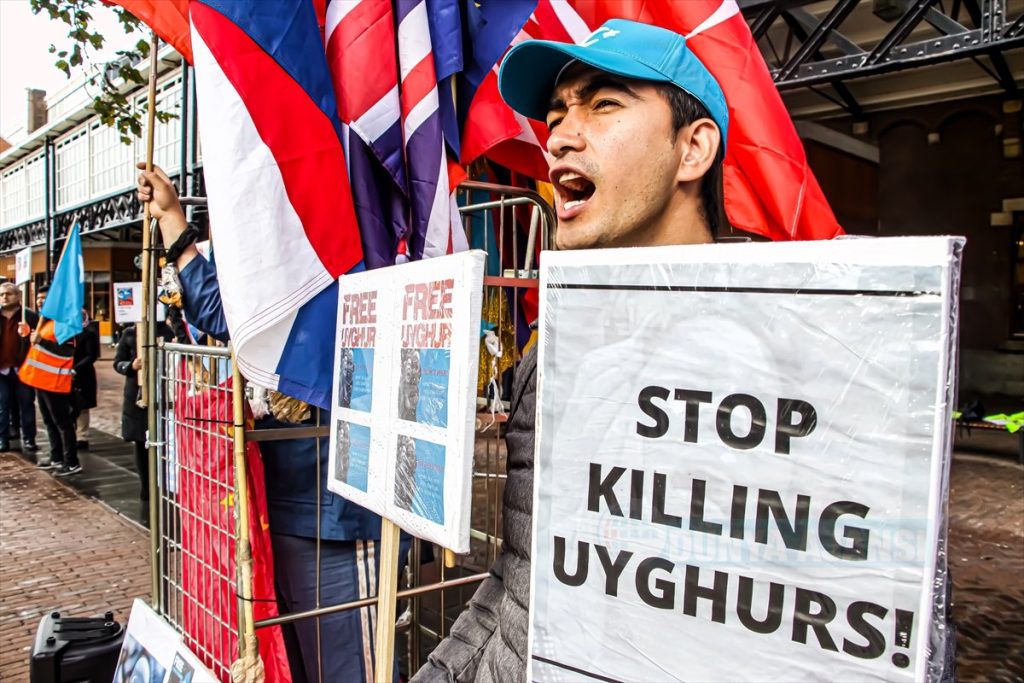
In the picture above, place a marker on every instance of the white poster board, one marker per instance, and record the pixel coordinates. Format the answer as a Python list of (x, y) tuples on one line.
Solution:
[(153, 652), (23, 266), (406, 360), (742, 460), (128, 304)]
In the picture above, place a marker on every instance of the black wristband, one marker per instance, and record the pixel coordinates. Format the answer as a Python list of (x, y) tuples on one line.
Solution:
[(190, 235)]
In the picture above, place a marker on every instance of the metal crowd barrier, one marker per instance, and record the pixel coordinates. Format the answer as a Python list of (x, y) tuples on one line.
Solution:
[(196, 484), (200, 445)]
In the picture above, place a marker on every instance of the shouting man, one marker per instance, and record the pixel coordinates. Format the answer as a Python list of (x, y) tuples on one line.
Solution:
[(637, 140)]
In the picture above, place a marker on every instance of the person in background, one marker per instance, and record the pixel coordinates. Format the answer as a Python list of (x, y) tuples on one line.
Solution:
[(87, 352), (17, 400), (49, 368), (133, 418)]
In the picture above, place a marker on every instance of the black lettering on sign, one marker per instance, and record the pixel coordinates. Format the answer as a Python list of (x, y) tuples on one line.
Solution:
[(658, 514), (612, 568), (692, 415), (817, 620), (717, 593), (665, 598), (794, 534), (697, 522), (855, 614), (660, 417), (636, 494), (758, 419), (604, 488), (773, 612), (858, 537), (738, 514), (786, 428), (582, 563)]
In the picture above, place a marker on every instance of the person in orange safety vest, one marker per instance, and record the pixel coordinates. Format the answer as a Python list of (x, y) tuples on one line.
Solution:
[(49, 368)]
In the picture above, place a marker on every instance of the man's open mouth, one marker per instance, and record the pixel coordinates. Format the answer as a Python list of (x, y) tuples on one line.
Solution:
[(573, 189)]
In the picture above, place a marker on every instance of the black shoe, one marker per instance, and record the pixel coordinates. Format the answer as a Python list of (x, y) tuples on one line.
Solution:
[(29, 446), (82, 445), (66, 471), (48, 464)]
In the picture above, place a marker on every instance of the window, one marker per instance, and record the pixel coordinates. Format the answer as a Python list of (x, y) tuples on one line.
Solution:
[(35, 187), (72, 161), (113, 167), (15, 199), (166, 151), (97, 295)]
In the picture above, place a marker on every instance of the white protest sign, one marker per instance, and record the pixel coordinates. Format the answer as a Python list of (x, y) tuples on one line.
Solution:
[(406, 362), (128, 304), (742, 459), (23, 266), (153, 652)]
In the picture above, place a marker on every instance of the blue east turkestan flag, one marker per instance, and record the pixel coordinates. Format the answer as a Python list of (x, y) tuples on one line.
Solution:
[(67, 291)]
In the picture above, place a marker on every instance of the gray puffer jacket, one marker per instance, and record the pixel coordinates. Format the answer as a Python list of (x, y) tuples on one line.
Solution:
[(488, 641)]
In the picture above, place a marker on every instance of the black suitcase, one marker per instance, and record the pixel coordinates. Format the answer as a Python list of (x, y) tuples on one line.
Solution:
[(75, 650)]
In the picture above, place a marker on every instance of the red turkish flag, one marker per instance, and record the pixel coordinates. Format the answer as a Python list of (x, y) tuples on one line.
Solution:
[(204, 476), (168, 19), (769, 187)]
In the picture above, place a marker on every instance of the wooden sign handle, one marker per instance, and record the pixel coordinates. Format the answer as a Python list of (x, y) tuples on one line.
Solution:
[(387, 590)]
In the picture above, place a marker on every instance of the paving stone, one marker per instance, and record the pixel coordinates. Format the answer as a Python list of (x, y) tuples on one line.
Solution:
[(59, 551)]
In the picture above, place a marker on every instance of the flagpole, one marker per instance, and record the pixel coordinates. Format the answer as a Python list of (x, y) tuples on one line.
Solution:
[(143, 342), (144, 338)]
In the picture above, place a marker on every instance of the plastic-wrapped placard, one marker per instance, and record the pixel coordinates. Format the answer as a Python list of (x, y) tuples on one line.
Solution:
[(742, 461), (406, 361)]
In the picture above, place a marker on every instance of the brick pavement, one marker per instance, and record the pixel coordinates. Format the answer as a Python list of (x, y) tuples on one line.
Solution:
[(106, 416), (986, 554), (60, 551)]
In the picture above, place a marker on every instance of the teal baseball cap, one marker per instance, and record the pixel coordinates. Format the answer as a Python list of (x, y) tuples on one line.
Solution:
[(625, 48)]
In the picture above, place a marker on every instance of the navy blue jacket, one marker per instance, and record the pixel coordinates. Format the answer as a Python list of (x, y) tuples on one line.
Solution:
[(290, 466)]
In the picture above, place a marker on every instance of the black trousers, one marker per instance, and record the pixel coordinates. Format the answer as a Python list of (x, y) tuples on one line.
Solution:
[(58, 411), (142, 467), (17, 406)]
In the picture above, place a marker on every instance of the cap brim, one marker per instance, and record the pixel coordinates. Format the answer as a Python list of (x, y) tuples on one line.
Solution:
[(528, 73)]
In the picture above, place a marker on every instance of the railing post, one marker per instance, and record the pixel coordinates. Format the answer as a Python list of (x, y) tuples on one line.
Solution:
[(183, 166), (49, 181)]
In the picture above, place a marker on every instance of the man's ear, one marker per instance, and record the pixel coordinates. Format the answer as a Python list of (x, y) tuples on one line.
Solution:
[(700, 141)]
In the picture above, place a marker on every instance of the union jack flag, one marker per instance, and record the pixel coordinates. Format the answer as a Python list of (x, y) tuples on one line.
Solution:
[(382, 62)]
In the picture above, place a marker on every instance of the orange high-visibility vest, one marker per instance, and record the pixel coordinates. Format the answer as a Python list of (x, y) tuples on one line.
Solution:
[(48, 369)]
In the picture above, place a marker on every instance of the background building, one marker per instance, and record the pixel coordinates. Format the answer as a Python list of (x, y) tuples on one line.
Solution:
[(66, 166)]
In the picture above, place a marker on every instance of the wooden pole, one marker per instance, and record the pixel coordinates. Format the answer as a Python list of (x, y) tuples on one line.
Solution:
[(387, 597), (243, 550), (142, 340)]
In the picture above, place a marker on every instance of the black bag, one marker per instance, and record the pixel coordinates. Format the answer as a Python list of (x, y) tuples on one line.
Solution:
[(75, 650)]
